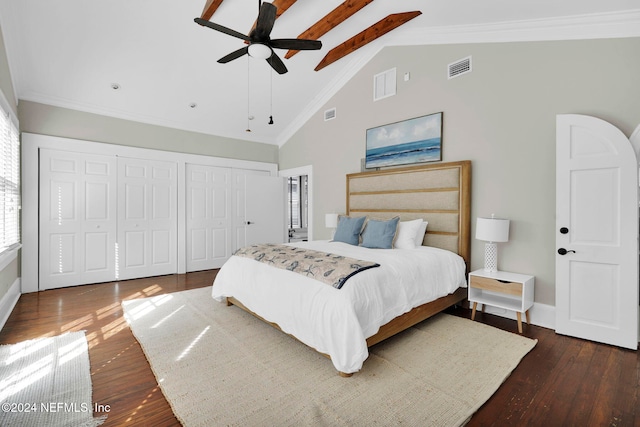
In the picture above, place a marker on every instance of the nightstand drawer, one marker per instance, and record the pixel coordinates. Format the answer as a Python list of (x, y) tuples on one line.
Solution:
[(486, 283)]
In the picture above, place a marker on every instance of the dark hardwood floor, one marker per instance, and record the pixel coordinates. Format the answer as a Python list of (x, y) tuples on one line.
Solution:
[(120, 373), (563, 381)]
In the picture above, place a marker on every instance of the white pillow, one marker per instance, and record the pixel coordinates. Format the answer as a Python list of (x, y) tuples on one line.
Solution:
[(420, 233), (407, 232)]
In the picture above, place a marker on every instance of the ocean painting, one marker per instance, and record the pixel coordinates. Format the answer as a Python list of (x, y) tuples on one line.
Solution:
[(411, 141)]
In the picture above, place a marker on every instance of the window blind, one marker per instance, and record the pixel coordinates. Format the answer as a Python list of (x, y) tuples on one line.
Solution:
[(9, 182)]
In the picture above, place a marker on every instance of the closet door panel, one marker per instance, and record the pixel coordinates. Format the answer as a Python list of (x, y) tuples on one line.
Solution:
[(77, 218), (147, 219), (133, 250), (96, 201), (220, 238), (97, 258), (160, 243), (259, 215), (63, 253), (208, 216), (197, 245)]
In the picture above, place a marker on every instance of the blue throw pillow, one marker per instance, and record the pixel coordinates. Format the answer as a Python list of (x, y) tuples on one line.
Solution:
[(379, 234), (348, 230)]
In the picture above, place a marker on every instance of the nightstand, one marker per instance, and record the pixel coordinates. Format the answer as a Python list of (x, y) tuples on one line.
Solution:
[(502, 289)]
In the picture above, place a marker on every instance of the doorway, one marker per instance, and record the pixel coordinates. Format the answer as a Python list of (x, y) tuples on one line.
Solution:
[(299, 208)]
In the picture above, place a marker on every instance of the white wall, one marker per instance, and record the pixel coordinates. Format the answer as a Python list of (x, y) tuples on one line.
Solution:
[(501, 116)]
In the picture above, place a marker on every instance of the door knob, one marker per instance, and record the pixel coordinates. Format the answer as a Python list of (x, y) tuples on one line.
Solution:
[(564, 230), (563, 251), (248, 223)]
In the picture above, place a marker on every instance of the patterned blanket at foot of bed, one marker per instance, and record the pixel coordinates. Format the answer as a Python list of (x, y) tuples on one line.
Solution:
[(326, 267)]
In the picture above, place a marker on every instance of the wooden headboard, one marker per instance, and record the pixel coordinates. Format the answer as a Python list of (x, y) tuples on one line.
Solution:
[(439, 193)]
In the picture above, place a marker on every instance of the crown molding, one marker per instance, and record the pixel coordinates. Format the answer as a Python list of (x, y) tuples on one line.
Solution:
[(578, 27)]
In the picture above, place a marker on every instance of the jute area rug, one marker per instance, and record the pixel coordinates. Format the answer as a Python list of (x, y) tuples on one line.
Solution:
[(47, 382), (218, 365)]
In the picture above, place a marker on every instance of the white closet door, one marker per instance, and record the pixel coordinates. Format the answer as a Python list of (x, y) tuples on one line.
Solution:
[(239, 200), (147, 218), (258, 202), (208, 214), (77, 218), (265, 209)]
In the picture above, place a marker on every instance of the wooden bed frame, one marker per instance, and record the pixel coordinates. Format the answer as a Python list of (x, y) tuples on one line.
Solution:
[(439, 193)]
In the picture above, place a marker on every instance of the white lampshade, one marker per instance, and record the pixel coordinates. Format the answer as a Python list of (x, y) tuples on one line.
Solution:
[(259, 50), (492, 229), (331, 220)]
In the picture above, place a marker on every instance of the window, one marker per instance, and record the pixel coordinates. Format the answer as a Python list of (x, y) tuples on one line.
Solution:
[(9, 180)]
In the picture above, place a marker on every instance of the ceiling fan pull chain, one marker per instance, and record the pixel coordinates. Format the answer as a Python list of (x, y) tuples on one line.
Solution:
[(248, 96), (271, 98)]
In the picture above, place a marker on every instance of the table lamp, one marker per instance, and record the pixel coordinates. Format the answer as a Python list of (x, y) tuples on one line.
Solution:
[(492, 230)]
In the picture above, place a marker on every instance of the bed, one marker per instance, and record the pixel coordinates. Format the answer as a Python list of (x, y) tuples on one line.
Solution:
[(408, 284)]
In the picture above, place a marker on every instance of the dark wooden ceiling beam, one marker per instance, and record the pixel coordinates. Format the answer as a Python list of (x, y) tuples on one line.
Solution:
[(210, 8), (334, 18), (282, 6), (378, 29)]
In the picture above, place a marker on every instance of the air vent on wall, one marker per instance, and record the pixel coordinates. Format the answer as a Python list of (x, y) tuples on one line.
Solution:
[(384, 84), (460, 67), (330, 114)]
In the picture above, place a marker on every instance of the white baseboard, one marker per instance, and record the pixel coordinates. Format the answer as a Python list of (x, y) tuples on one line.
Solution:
[(541, 314), (8, 302)]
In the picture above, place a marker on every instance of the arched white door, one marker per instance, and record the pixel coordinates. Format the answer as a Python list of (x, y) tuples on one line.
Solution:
[(596, 232)]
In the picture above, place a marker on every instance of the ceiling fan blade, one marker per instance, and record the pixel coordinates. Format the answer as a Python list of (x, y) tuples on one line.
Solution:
[(220, 28), (234, 55), (296, 44), (277, 64), (266, 19)]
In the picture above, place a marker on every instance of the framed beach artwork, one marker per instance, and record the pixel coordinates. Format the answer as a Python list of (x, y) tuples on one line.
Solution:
[(416, 140)]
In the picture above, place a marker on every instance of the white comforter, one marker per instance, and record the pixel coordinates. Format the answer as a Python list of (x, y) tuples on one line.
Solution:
[(337, 322)]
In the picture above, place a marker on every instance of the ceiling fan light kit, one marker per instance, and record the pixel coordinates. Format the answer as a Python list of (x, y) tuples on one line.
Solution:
[(259, 50)]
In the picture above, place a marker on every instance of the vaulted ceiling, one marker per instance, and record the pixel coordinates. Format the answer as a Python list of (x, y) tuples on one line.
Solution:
[(146, 60)]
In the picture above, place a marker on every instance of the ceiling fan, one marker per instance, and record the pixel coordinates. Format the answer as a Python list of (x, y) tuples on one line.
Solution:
[(260, 44)]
